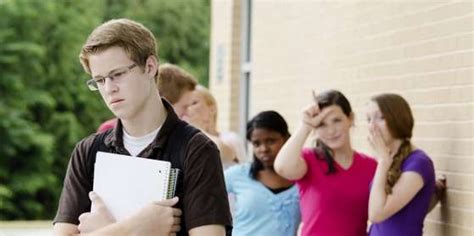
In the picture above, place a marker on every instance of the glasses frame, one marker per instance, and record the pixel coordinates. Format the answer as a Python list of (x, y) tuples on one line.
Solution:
[(93, 85)]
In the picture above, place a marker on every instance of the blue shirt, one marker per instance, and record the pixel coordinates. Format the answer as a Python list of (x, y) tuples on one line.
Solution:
[(257, 210)]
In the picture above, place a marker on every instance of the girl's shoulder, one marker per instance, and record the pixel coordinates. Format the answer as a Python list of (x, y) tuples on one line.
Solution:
[(237, 174), (417, 157), (418, 153), (237, 169), (418, 161)]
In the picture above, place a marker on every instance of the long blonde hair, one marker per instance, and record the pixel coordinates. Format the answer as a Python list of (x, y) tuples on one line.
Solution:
[(210, 101), (399, 120)]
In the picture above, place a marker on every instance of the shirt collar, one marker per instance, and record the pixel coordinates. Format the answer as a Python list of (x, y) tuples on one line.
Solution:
[(115, 138)]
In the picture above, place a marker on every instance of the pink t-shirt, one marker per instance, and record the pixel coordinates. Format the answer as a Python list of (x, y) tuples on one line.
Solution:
[(109, 124), (335, 204)]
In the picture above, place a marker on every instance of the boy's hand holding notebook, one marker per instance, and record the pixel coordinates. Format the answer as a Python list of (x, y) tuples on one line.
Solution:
[(126, 183)]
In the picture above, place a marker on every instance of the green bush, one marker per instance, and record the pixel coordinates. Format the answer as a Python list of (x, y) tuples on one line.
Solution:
[(45, 107)]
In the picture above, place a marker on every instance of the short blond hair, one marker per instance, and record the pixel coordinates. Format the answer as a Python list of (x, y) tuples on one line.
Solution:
[(173, 82), (133, 37)]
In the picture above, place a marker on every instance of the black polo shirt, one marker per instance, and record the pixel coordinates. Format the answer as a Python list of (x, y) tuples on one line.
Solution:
[(203, 196)]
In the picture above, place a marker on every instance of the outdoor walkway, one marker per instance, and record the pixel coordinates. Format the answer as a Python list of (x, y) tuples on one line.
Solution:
[(26, 228)]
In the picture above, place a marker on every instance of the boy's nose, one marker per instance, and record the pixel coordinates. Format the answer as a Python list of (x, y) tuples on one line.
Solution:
[(109, 86)]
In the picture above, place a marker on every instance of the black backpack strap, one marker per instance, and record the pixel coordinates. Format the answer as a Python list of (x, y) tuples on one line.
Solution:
[(176, 147), (97, 145), (175, 151)]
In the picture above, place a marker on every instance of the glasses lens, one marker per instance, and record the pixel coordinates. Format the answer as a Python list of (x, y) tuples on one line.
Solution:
[(92, 85)]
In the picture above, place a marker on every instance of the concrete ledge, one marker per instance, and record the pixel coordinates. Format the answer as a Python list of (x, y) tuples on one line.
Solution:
[(37, 224)]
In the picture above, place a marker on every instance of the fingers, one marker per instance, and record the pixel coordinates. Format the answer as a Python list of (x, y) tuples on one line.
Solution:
[(176, 224), (313, 116), (442, 178), (311, 111), (325, 112), (175, 228), (96, 200), (177, 212), (376, 136), (168, 202), (176, 220), (83, 216), (370, 139), (315, 96), (377, 142), (441, 182)]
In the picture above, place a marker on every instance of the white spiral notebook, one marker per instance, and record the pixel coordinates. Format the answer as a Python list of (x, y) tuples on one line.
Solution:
[(127, 183)]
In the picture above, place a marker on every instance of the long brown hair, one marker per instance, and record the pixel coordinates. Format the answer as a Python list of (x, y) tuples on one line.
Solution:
[(326, 99), (399, 120)]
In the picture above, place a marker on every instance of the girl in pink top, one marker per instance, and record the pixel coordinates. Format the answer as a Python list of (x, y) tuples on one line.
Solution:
[(333, 179)]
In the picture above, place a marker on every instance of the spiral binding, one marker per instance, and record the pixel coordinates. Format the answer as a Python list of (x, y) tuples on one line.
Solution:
[(172, 182)]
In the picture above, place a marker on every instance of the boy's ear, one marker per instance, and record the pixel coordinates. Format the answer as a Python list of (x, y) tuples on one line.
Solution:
[(152, 65)]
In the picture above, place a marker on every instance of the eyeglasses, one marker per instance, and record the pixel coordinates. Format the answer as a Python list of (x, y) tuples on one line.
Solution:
[(115, 76)]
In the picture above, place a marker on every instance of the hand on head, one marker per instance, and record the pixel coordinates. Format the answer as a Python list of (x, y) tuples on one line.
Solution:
[(313, 115)]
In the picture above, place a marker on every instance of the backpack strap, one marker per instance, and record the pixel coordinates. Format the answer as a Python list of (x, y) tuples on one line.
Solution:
[(175, 148), (97, 145)]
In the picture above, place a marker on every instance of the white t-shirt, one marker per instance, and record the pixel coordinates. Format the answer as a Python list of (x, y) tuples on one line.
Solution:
[(135, 145)]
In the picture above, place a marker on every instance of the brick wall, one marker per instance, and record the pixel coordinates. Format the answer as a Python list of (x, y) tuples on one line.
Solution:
[(420, 49), (225, 61)]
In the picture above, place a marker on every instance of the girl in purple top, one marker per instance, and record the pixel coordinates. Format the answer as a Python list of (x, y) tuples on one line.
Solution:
[(404, 180)]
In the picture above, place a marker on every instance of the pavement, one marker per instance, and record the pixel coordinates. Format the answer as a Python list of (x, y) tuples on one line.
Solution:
[(26, 228)]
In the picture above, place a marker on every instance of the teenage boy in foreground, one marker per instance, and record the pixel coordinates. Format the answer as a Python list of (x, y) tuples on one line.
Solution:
[(121, 56)]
